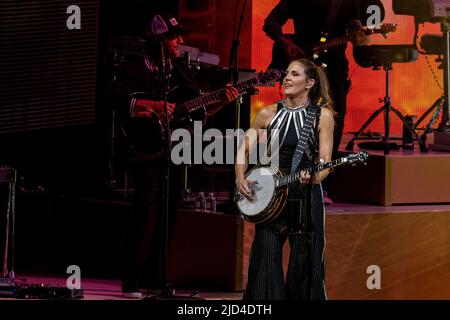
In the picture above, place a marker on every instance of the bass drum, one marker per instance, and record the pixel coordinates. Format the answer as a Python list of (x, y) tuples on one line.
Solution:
[(146, 135), (268, 201)]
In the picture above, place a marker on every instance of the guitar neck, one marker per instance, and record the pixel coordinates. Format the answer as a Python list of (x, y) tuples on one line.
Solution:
[(213, 97), (338, 41), (322, 46), (293, 177)]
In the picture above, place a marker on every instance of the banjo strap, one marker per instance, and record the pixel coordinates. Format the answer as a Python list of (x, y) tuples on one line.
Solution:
[(304, 135)]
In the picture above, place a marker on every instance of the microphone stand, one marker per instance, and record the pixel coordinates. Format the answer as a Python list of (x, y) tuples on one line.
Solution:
[(116, 127), (233, 66), (166, 289), (7, 277)]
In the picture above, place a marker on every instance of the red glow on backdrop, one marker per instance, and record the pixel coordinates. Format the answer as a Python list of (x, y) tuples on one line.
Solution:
[(413, 86)]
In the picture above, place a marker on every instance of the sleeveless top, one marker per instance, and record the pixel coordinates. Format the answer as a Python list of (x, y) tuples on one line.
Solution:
[(289, 123)]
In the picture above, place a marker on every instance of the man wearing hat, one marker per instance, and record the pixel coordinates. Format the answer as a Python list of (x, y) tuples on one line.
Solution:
[(164, 36)]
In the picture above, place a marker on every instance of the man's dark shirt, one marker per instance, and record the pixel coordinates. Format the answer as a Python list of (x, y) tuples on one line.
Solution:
[(149, 80), (310, 18), (144, 78)]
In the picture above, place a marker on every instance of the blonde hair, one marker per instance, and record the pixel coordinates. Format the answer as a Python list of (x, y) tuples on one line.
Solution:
[(320, 93)]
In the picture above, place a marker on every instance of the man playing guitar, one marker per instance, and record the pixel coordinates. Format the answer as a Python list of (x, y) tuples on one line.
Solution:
[(145, 97)]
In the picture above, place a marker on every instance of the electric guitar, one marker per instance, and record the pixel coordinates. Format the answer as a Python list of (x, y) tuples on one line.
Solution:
[(317, 52), (146, 135), (269, 193)]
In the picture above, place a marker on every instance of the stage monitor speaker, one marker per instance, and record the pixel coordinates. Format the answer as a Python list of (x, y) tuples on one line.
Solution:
[(206, 252)]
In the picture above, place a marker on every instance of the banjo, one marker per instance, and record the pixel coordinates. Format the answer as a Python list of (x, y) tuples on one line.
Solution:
[(271, 188)]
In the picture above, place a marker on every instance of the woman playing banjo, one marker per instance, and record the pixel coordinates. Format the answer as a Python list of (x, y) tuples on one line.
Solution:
[(305, 87)]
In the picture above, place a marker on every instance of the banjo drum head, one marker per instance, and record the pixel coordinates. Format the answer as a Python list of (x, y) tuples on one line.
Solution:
[(264, 191)]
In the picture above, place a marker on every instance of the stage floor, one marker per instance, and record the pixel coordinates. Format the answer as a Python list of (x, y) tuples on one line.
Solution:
[(409, 242), (353, 208), (106, 289)]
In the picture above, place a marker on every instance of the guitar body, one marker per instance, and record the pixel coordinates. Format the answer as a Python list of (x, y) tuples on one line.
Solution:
[(317, 52), (181, 117), (146, 135), (267, 201)]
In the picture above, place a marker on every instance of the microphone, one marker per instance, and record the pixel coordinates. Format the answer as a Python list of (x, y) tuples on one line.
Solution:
[(163, 56), (187, 58)]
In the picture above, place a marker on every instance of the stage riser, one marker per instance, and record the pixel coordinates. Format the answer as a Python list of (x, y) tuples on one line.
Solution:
[(412, 251), (392, 180)]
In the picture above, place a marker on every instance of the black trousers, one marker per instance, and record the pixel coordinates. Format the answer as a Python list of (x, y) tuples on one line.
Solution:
[(265, 275), (142, 251)]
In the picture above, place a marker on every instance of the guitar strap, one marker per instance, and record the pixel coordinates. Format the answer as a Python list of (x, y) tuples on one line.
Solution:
[(304, 135), (332, 14)]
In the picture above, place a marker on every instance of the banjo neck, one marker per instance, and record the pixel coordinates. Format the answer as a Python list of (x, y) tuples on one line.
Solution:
[(295, 176)]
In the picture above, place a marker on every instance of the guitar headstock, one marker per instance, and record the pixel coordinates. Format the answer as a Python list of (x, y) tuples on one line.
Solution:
[(384, 29), (360, 157), (270, 75)]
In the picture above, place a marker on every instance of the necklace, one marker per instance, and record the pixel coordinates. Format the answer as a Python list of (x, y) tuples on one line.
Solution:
[(297, 107)]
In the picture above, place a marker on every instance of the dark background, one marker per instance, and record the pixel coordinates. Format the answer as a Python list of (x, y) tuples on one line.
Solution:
[(73, 194)]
